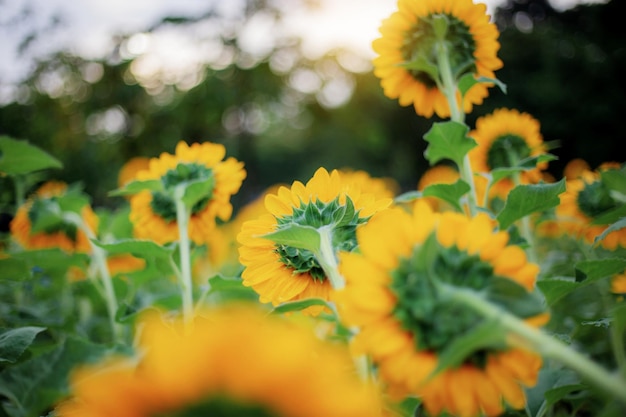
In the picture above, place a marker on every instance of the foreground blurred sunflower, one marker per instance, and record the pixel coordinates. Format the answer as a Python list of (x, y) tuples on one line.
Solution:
[(233, 361), (153, 213), (280, 273), (392, 297), (587, 197), (409, 38), (504, 138), (58, 234)]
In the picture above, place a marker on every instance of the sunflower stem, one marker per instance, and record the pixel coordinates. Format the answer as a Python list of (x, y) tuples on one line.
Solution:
[(540, 342), (449, 88), (327, 259), (98, 255), (186, 284)]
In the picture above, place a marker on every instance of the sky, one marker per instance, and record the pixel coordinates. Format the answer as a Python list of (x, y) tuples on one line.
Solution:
[(86, 27)]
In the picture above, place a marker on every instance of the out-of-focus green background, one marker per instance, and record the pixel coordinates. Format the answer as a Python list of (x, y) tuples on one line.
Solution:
[(285, 115)]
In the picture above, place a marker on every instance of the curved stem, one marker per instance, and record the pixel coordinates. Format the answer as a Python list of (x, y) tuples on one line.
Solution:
[(186, 283), (449, 89), (541, 342)]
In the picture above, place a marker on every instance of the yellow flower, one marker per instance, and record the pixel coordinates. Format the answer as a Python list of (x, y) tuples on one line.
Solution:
[(504, 138), (408, 34), (280, 273), (584, 199), (403, 326), (380, 187), (60, 235), (618, 284), (131, 168), (153, 214), (234, 360)]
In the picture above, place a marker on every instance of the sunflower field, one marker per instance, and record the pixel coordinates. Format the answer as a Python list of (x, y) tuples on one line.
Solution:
[(494, 288)]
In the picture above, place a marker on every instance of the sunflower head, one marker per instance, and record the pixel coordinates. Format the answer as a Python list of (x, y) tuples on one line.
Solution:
[(283, 271), (233, 361), (410, 52), (39, 223), (591, 195), (397, 294), (197, 174)]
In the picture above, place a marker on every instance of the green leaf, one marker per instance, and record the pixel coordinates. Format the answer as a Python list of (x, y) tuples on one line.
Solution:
[(593, 270), (620, 224), (299, 305), (14, 269), (140, 248), (448, 140), (296, 236), (52, 260), (450, 193), (422, 64), (615, 179), (197, 190), (18, 157), (469, 80), (556, 288), (34, 386), (136, 186), (550, 380), (527, 199), (616, 215), (15, 341), (408, 197), (488, 334)]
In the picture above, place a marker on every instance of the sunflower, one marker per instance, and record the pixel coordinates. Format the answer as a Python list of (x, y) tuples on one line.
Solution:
[(438, 174), (235, 361), (618, 284), (504, 138), (131, 168), (408, 37), (585, 198), (153, 213), (390, 297), (280, 273), (60, 234)]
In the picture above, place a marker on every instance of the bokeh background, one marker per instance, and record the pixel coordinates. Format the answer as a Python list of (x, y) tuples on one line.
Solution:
[(286, 86)]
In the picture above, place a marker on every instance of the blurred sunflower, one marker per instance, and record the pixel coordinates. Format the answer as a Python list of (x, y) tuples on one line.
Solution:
[(438, 174), (586, 197), (233, 361), (280, 273), (404, 325), (56, 232), (408, 47), (505, 138), (618, 284), (129, 170), (153, 213)]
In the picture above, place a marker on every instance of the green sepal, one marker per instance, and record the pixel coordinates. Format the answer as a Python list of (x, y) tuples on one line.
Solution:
[(422, 64), (296, 236), (195, 191), (469, 80), (524, 200), (299, 305), (486, 335), (514, 298), (594, 270), (18, 157), (450, 193), (14, 342), (136, 186), (448, 140)]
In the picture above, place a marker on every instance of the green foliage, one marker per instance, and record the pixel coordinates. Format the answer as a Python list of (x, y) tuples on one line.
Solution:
[(524, 200), (448, 140), (18, 157)]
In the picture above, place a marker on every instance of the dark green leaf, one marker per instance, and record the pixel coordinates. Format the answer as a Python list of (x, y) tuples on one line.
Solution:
[(594, 270), (450, 193), (618, 225), (15, 341), (299, 305), (515, 299), (422, 64), (448, 140), (14, 269), (615, 179), (18, 157), (35, 385), (555, 289), (527, 199), (197, 190), (297, 236)]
